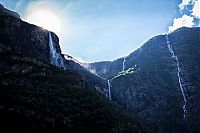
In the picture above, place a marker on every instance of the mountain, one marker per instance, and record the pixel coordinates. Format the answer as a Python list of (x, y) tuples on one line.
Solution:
[(34, 41), (159, 82), (42, 91)]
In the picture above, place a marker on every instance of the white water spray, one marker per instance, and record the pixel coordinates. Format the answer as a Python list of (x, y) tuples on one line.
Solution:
[(123, 64), (180, 79), (53, 52), (109, 91), (55, 57)]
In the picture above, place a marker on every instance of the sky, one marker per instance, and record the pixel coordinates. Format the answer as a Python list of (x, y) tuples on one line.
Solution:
[(99, 30)]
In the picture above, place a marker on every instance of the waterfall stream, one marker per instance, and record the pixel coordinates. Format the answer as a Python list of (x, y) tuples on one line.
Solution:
[(179, 75), (123, 64), (109, 91), (109, 81), (55, 57)]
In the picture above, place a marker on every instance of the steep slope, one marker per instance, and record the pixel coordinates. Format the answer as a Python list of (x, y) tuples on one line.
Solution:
[(35, 42), (38, 96), (160, 83), (35, 95)]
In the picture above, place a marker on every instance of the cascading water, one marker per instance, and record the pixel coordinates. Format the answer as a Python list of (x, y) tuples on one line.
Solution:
[(53, 52), (109, 91), (109, 81), (123, 64), (179, 74), (55, 57)]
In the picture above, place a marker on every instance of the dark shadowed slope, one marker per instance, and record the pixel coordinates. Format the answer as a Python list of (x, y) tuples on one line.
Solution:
[(160, 88)]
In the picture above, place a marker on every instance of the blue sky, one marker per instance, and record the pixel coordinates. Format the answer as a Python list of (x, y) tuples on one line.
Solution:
[(97, 30)]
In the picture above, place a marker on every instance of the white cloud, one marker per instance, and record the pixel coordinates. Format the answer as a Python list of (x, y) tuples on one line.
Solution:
[(187, 20), (184, 21), (196, 9), (80, 60), (184, 4)]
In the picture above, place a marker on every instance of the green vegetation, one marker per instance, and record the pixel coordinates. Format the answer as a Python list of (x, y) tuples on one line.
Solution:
[(126, 72)]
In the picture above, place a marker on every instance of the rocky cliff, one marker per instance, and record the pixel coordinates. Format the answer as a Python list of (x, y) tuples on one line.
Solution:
[(160, 83), (27, 38)]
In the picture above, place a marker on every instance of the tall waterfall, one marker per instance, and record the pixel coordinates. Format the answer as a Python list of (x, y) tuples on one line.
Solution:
[(179, 74), (123, 64), (109, 91), (55, 56)]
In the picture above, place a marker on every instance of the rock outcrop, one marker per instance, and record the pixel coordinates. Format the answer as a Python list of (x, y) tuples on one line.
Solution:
[(6, 12)]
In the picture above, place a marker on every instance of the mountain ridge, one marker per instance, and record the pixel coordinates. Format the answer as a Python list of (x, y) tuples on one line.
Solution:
[(157, 84), (92, 66)]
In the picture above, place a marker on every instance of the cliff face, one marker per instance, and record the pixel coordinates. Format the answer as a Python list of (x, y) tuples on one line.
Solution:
[(160, 83), (27, 38)]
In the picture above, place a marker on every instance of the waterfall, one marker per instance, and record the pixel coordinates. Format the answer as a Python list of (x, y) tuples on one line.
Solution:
[(179, 75), (123, 64), (55, 56), (109, 91)]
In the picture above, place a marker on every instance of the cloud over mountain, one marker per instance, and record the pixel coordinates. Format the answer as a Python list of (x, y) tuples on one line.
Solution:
[(188, 15)]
